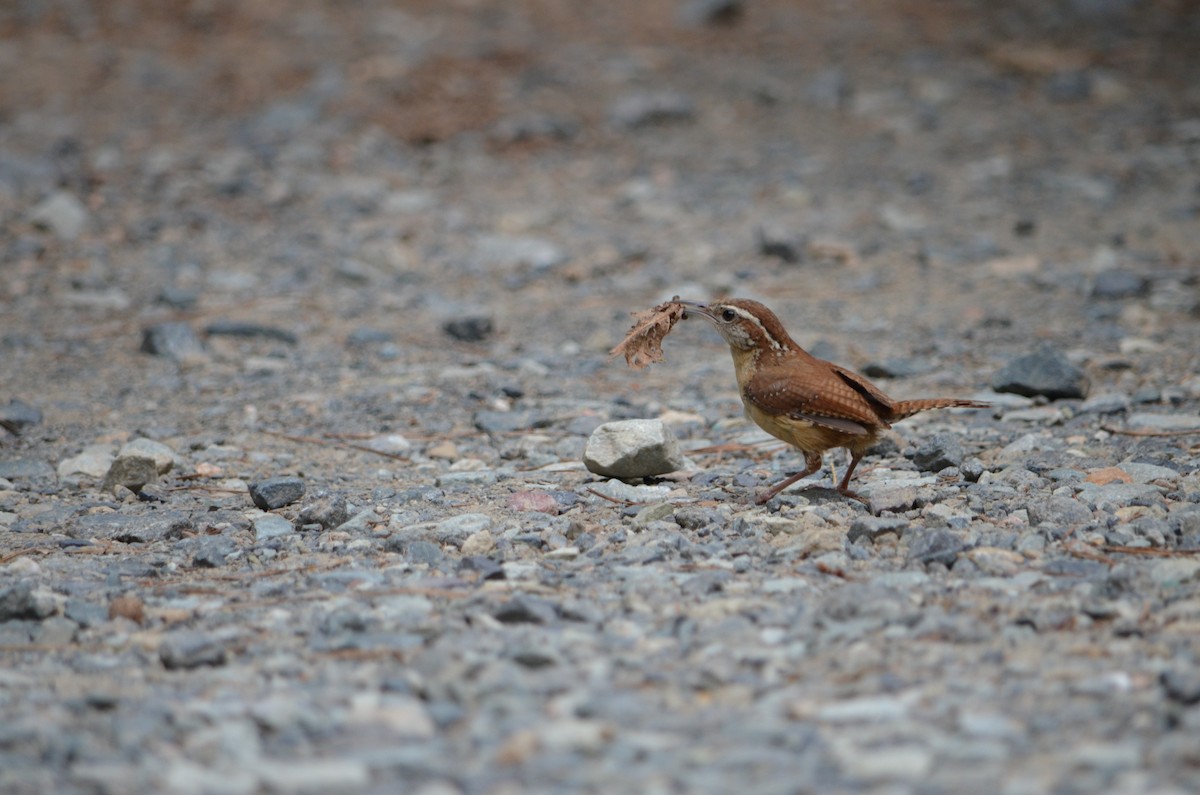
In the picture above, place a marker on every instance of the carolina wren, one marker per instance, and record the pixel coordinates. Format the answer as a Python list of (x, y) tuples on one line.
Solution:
[(807, 402)]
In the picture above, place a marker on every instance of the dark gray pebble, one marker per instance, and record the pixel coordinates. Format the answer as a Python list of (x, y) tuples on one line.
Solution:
[(938, 452), (935, 546), (1043, 372), (896, 368), (645, 109), (505, 421), (24, 601), (275, 493), (775, 241), (1058, 510), (695, 13), (131, 471), (472, 328), (175, 341), (487, 568), (1182, 685), (17, 416), (191, 649), (523, 609), (233, 328), (86, 614), (326, 510), (1119, 283), (872, 527), (29, 471)]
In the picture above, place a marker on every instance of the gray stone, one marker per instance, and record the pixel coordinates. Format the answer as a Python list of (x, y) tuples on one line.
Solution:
[(270, 526), (1043, 372), (1068, 85), (191, 649), (1058, 511), (86, 614), (871, 527), (1164, 422), (62, 214), (470, 328), (774, 241), (470, 477), (18, 416), (891, 495), (55, 631), (1119, 283), (163, 456), (132, 472), (1148, 473), (829, 88), (624, 492), (94, 461), (131, 529), (29, 471), (1112, 496), (458, 529), (504, 421), (972, 469), (524, 609), (213, 552), (236, 328), (938, 452), (935, 546), (1182, 685), (1108, 403), (695, 13), (313, 776), (360, 522), (176, 341), (514, 251), (649, 108), (24, 601), (633, 449), (275, 493), (327, 510)]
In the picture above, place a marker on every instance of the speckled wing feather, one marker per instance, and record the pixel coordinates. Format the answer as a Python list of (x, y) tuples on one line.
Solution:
[(839, 405), (865, 388)]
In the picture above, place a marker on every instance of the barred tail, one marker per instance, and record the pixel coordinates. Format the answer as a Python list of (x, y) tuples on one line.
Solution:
[(907, 408)]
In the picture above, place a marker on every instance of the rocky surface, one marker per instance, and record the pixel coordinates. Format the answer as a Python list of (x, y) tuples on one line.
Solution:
[(380, 251)]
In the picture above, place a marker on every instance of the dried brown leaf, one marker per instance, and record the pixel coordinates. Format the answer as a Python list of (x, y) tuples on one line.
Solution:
[(643, 344)]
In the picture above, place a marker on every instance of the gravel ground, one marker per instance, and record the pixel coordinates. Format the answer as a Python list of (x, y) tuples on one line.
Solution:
[(306, 312)]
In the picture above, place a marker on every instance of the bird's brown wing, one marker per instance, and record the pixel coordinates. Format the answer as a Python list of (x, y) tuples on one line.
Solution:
[(860, 384), (805, 391)]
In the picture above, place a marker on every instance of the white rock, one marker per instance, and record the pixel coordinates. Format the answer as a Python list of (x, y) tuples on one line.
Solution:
[(62, 214), (314, 775), (163, 456), (94, 462), (633, 449)]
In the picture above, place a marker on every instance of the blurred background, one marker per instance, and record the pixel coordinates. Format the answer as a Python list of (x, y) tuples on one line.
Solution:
[(898, 178)]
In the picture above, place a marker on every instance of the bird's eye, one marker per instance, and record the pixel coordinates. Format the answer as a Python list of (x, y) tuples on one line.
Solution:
[(728, 315)]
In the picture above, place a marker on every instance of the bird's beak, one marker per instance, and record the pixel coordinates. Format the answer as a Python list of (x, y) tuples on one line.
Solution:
[(694, 307)]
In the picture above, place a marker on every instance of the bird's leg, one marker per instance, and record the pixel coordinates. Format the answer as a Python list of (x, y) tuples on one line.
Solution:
[(844, 487), (812, 462)]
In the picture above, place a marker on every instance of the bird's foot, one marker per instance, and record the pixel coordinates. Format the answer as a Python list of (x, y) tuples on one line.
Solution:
[(854, 495)]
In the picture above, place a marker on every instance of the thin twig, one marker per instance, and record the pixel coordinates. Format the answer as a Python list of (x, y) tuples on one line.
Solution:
[(336, 443), (1152, 551), (1137, 432), (16, 553), (617, 500)]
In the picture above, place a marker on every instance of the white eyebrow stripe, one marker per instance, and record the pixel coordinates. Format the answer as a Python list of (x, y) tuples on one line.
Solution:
[(775, 344)]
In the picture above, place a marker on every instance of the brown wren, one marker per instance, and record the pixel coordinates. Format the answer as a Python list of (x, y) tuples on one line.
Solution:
[(807, 402)]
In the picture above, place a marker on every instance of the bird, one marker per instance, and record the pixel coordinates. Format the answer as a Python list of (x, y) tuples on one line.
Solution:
[(810, 403)]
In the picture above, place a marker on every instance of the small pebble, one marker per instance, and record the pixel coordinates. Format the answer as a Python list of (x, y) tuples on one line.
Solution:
[(277, 492)]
